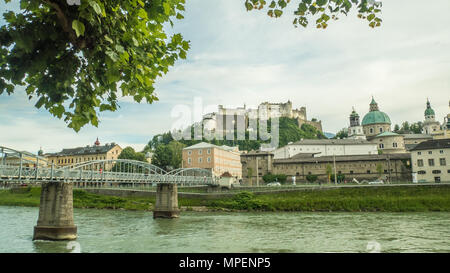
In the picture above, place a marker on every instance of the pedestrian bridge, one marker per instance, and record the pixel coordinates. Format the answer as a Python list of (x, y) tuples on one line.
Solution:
[(22, 166)]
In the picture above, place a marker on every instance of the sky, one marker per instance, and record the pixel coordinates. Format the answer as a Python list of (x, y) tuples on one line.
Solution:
[(239, 57)]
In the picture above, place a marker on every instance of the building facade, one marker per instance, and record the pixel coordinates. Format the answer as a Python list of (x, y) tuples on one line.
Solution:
[(255, 165), (70, 156), (355, 130), (326, 147), (218, 159), (394, 167), (430, 161)]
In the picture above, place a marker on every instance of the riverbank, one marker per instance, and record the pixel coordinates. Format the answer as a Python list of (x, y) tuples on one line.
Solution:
[(387, 199)]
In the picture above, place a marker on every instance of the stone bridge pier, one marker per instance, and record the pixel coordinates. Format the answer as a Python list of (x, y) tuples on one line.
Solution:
[(166, 205), (56, 213)]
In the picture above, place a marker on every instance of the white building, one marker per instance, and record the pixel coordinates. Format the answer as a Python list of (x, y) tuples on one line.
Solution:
[(327, 147), (430, 161)]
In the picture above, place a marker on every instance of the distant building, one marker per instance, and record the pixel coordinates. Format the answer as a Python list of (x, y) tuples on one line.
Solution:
[(327, 147), (255, 165), (70, 156), (395, 167), (218, 159), (411, 140), (355, 131), (431, 159), (430, 125)]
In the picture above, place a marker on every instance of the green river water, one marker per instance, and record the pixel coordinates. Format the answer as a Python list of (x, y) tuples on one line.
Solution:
[(128, 231)]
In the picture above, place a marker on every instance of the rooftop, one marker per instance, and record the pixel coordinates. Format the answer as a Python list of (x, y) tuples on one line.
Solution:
[(85, 150), (386, 134), (433, 144), (203, 145), (331, 142), (343, 158), (416, 136)]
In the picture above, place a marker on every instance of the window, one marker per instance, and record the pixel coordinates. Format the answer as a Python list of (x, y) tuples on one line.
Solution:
[(395, 145), (209, 151), (437, 179), (381, 146), (189, 152), (430, 152), (442, 161), (200, 160), (208, 159), (381, 130), (419, 153), (431, 162), (420, 163), (421, 172), (436, 172), (371, 130), (368, 171), (351, 172), (189, 160), (441, 151), (200, 151)]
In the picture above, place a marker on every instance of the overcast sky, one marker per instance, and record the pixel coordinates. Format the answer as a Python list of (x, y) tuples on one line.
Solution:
[(242, 57)]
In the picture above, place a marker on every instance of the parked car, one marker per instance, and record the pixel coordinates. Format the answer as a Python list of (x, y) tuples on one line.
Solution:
[(274, 184), (376, 182)]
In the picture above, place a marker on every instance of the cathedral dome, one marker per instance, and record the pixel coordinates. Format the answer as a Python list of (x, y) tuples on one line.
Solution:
[(429, 111), (375, 116)]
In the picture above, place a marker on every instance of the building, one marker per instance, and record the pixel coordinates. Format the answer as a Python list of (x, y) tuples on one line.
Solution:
[(390, 143), (218, 159), (326, 147), (70, 156), (411, 140), (390, 167), (430, 125), (430, 161), (444, 131), (375, 122), (377, 129), (227, 119), (355, 131), (255, 165)]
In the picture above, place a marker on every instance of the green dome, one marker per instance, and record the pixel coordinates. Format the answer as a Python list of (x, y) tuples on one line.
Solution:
[(429, 112), (376, 117)]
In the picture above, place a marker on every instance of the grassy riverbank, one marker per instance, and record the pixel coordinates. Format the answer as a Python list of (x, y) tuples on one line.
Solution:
[(388, 199)]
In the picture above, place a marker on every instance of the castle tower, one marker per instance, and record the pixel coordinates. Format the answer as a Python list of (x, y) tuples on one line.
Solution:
[(97, 143), (430, 124), (355, 131)]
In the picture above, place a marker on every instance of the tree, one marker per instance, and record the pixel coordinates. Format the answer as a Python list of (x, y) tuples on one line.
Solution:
[(329, 171), (168, 156), (162, 157), (78, 59), (131, 154), (379, 169), (321, 10), (343, 133), (396, 128), (75, 58)]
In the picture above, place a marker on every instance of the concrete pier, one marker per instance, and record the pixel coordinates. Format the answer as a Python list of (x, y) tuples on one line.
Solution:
[(166, 201), (56, 213)]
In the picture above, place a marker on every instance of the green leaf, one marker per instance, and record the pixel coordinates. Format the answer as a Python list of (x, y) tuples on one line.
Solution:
[(78, 27)]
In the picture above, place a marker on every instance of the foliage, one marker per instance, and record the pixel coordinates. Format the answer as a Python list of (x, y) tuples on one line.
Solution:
[(311, 178), (379, 169), (343, 133), (131, 154), (320, 10), (409, 128), (78, 59), (268, 178), (168, 156), (329, 171), (340, 177)]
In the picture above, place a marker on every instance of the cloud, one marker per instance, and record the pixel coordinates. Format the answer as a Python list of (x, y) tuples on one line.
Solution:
[(239, 57)]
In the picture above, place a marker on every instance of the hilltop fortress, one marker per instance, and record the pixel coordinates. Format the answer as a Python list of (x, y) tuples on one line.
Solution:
[(265, 111)]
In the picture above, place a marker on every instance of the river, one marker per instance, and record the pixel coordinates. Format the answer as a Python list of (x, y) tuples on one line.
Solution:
[(113, 231)]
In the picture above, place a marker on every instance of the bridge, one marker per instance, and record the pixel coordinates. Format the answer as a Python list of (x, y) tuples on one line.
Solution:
[(56, 206)]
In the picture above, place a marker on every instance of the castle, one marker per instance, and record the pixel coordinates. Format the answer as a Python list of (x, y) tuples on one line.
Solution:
[(240, 116)]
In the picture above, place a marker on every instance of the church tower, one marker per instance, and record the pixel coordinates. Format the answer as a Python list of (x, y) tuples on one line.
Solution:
[(355, 131), (430, 125)]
